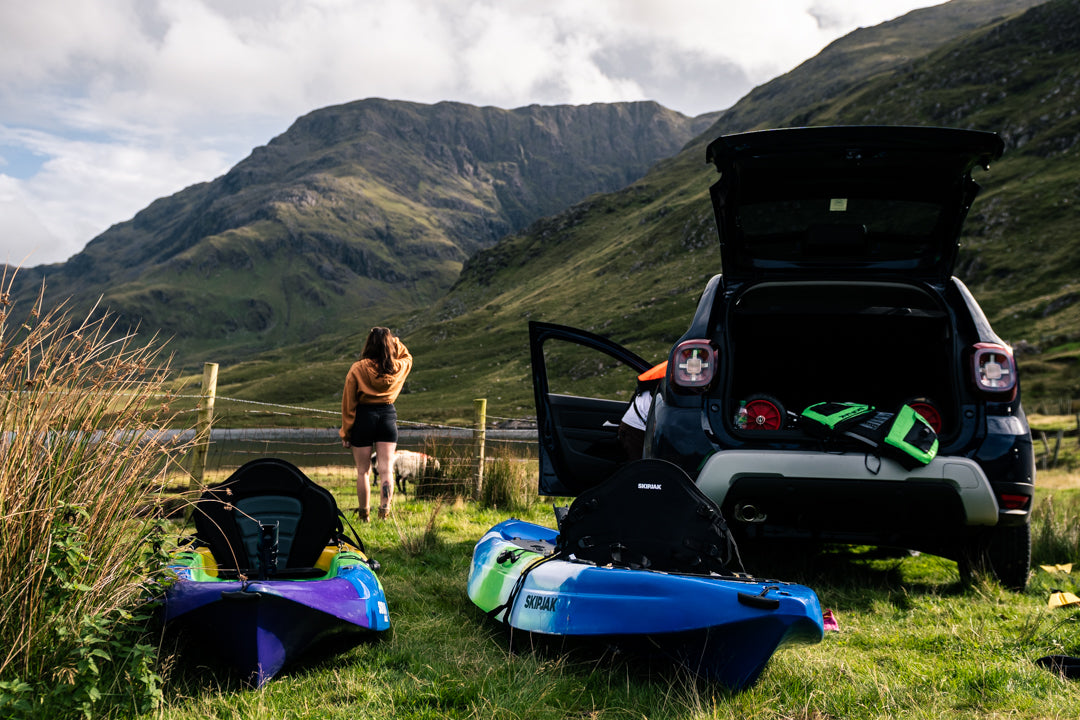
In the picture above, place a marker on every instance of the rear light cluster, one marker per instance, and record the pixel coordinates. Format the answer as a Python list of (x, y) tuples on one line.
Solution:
[(1013, 502), (694, 364), (994, 370)]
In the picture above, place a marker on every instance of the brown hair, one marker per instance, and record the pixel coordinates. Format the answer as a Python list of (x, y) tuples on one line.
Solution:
[(379, 347)]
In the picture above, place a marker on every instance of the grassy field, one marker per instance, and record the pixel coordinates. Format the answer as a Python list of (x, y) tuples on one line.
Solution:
[(912, 643)]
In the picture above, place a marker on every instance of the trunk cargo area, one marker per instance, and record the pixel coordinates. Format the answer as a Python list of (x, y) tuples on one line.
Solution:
[(803, 343)]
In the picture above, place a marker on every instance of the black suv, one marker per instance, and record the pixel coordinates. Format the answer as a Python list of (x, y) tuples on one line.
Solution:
[(838, 246)]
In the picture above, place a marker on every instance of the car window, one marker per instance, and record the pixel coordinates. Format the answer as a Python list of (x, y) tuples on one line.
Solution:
[(860, 228), (576, 370)]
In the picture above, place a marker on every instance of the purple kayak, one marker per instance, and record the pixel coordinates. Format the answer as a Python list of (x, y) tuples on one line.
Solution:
[(271, 574)]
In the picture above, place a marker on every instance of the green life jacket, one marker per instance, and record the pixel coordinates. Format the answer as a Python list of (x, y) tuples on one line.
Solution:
[(904, 436), (825, 418)]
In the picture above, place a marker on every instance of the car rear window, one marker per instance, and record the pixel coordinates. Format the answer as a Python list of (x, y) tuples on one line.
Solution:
[(829, 226)]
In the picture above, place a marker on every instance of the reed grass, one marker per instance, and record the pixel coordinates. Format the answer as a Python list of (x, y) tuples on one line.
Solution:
[(1055, 529), (509, 484), (417, 543), (82, 456)]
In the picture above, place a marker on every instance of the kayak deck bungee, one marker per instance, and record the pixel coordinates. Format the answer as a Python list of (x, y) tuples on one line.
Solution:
[(261, 584), (722, 626)]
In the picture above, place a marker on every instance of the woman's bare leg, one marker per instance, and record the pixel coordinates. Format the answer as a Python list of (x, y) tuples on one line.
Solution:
[(384, 457), (362, 458)]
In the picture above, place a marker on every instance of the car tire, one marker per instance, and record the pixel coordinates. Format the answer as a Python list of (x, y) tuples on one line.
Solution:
[(1009, 553), (1003, 553)]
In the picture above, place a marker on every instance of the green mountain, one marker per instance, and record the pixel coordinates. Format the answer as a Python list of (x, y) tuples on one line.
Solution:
[(356, 212), (860, 56), (630, 264)]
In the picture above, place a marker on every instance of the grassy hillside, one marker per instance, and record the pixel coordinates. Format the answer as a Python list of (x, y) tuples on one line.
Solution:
[(628, 264), (857, 58)]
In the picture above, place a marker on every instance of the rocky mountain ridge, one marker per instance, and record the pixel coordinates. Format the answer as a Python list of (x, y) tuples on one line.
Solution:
[(355, 212)]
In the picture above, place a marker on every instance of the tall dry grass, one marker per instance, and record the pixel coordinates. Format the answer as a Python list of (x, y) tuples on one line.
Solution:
[(82, 411), (1055, 530), (509, 482)]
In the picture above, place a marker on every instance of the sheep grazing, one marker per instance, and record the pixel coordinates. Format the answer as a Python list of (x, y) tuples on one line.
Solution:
[(408, 465)]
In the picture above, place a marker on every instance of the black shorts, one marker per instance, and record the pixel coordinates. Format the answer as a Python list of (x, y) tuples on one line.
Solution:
[(374, 423)]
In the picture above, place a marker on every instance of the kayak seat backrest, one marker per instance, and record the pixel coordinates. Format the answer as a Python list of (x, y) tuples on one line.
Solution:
[(271, 492), (282, 511), (648, 514)]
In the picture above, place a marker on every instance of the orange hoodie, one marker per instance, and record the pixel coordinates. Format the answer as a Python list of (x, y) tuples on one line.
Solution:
[(364, 386)]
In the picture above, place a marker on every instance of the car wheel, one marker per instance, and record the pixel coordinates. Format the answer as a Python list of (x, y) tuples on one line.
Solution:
[(1003, 553), (1009, 553)]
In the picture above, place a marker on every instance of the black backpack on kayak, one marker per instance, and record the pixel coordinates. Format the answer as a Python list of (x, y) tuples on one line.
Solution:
[(649, 514)]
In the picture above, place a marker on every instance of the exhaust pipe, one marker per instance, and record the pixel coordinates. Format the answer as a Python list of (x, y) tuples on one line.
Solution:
[(749, 513)]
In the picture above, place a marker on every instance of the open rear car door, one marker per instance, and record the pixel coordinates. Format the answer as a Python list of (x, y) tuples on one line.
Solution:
[(578, 435)]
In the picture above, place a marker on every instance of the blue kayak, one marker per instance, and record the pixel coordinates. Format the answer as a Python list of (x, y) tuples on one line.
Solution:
[(723, 627)]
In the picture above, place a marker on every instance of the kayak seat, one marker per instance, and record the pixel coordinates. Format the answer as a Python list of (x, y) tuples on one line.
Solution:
[(649, 514), (281, 511), (267, 502)]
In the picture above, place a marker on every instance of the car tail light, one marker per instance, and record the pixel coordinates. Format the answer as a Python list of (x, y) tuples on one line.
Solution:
[(694, 364), (994, 370), (1013, 502)]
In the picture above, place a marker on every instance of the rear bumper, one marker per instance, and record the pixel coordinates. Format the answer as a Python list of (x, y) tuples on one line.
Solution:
[(848, 496)]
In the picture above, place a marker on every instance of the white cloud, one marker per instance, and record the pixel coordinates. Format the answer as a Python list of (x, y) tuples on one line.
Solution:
[(77, 192), (125, 101), (23, 239)]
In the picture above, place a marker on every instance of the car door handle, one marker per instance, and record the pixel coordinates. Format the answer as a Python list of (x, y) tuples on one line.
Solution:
[(609, 424)]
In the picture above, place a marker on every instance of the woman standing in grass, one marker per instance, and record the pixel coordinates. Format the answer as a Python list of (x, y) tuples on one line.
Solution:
[(368, 416)]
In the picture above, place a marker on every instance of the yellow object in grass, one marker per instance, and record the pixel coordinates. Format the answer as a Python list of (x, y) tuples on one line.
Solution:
[(1060, 598), (1064, 568)]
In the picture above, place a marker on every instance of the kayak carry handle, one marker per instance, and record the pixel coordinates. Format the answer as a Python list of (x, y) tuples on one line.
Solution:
[(759, 601), (246, 595)]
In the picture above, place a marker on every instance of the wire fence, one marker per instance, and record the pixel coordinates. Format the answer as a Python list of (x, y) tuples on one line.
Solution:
[(308, 438)]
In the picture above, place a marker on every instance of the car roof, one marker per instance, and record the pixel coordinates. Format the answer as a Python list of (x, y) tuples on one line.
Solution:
[(844, 200)]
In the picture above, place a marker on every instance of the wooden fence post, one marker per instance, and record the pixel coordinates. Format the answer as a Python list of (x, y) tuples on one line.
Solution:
[(1057, 448), (205, 419), (479, 435)]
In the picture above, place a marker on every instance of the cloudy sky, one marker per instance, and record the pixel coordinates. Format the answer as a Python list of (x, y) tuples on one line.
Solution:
[(106, 105)]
